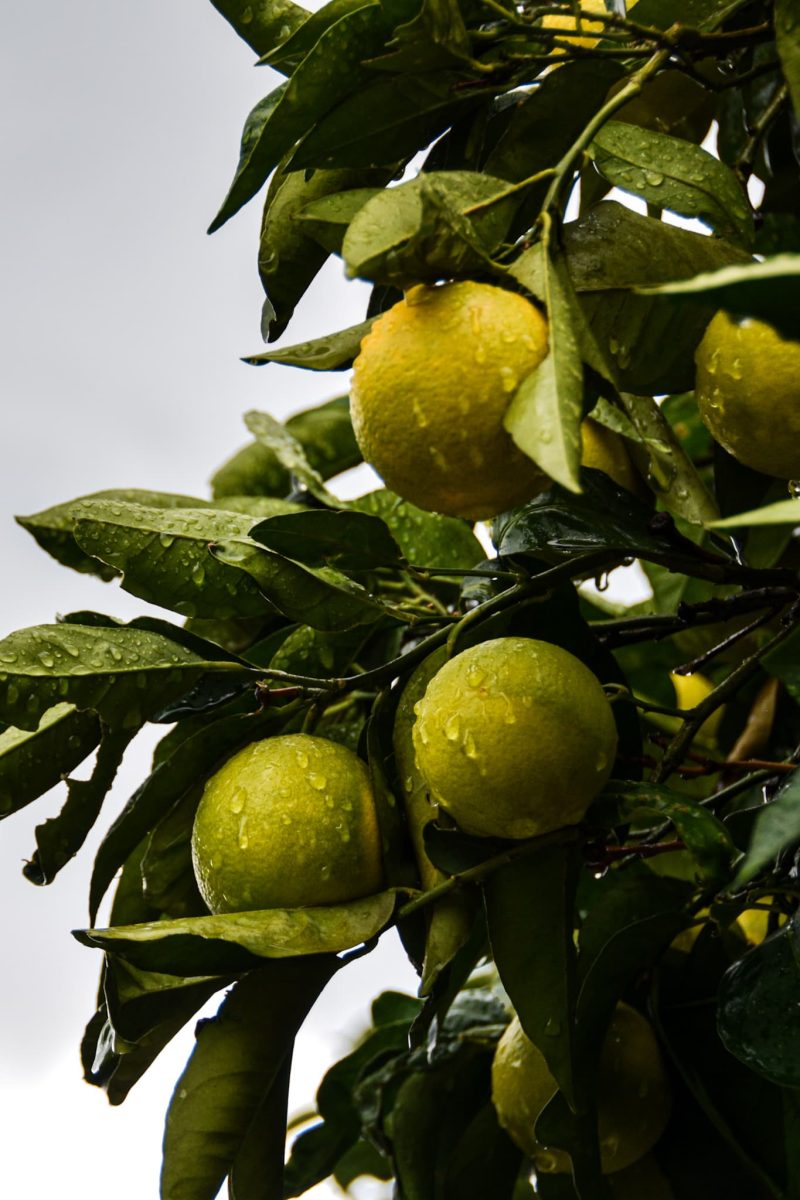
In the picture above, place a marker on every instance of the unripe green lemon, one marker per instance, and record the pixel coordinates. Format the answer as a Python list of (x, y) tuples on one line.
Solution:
[(633, 1094), (431, 387), (748, 393), (514, 737), (287, 822)]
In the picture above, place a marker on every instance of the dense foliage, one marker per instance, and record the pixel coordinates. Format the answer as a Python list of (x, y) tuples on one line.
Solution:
[(295, 611)]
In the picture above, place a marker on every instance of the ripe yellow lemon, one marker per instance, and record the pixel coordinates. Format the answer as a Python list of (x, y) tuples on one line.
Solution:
[(748, 393), (577, 23), (514, 737), (431, 386), (633, 1096), (691, 690), (606, 451), (287, 822)]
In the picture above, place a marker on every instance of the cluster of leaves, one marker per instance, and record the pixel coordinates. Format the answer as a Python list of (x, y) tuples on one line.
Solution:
[(303, 612)]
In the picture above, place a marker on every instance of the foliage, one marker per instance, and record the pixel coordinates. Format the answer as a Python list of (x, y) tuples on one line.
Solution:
[(432, 140)]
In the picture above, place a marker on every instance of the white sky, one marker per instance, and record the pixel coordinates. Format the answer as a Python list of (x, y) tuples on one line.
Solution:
[(121, 326)]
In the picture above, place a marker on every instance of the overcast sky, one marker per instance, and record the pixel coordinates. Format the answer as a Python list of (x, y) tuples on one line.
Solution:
[(121, 326)]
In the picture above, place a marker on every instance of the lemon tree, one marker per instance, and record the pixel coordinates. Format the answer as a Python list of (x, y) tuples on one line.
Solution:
[(532, 702)]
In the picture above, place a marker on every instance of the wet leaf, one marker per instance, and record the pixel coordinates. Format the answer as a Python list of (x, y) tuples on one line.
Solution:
[(263, 24), (326, 220), (425, 539), (333, 352), (33, 761), (288, 451), (672, 173), (776, 828), (351, 541), (783, 512), (122, 673), (218, 945), (288, 55)]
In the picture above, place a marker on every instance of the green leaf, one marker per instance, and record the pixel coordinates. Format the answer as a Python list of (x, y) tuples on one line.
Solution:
[(239, 1056), (351, 541), (187, 767), (53, 528), (33, 761), (672, 173), (60, 838), (326, 220), (288, 451), (322, 598), (386, 121), (331, 70), (263, 24), (333, 352), (425, 539), (783, 512), (706, 838), (697, 14), (545, 413), (393, 237), (326, 436), (757, 1013), (168, 881), (257, 1170), (218, 945), (122, 673), (164, 559), (776, 828), (435, 36), (530, 911), (768, 290), (784, 663), (787, 23), (288, 55)]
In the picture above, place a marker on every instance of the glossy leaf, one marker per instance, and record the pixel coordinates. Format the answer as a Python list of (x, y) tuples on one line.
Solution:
[(530, 913), (351, 541), (237, 1059), (545, 413), (312, 91), (122, 673), (332, 352), (33, 761), (262, 24), (217, 945), (672, 173), (327, 220), (757, 1013), (783, 512), (288, 451), (425, 539), (322, 598), (776, 828), (60, 838), (287, 56)]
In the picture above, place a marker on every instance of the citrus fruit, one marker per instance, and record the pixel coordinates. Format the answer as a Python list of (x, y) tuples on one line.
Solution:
[(748, 393), (287, 822), (691, 690), (577, 22), (633, 1094), (514, 737), (431, 386), (605, 450)]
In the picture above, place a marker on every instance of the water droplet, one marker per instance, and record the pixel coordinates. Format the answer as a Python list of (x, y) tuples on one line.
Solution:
[(198, 573), (237, 800), (166, 540), (470, 747), (8, 656), (46, 659), (318, 782), (408, 783), (452, 727), (302, 758)]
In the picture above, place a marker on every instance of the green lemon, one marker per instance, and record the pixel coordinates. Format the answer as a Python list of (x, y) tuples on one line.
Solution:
[(287, 822), (748, 393), (633, 1097), (514, 737)]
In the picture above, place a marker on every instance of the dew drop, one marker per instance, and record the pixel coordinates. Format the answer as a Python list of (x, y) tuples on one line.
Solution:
[(318, 782), (452, 727)]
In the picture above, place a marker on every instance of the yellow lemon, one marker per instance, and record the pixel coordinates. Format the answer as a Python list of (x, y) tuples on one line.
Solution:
[(431, 386), (577, 22), (514, 737), (633, 1095), (691, 690), (754, 922), (287, 822), (748, 393), (606, 451)]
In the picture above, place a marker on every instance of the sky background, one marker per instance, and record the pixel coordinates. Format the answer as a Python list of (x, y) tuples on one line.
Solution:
[(122, 326)]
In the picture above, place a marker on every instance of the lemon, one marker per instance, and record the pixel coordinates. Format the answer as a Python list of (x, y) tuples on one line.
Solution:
[(754, 922), (748, 393), (577, 22), (514, 737), (605, 450), (691, 690), (633, 1093), (431, 386), (287, 822)]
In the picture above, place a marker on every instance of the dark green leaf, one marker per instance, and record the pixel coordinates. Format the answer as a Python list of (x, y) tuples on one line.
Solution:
[(139, 1001), (425, 539), (485, 1162), (257, 1170), (307, 651), (122, 673), (787, 23), (758, 1017), (697, 14), (333, 352), (235, 941), (288, 451), (545, 413), (31, 762), (784, 663), (298, 105), (530, 907), (169, 886), (768, 290), (238, 1057), (326, 220), (288, 55), (60, 838), (435, 36), (322, 598), (776, 828), (672, 173), (351, 541), (264, 23)]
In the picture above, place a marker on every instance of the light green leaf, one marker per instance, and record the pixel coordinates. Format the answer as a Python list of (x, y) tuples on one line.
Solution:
[(326, 220), (288, 451), (287, 56), (333, 352), (426, 539), (783, 512), (544, 416), (672, 173), (263, 24), (33, 761)]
